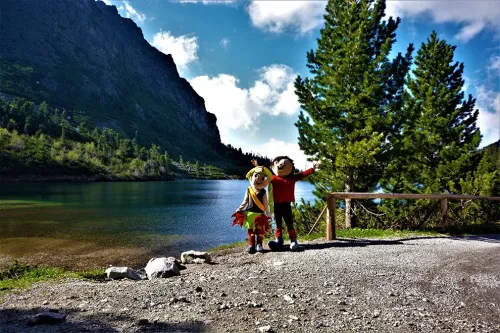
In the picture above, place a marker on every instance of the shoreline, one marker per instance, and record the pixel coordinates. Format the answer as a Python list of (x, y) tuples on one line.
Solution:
[(92, 179)]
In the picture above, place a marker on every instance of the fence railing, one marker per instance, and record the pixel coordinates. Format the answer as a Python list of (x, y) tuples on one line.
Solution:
[(331, 204)]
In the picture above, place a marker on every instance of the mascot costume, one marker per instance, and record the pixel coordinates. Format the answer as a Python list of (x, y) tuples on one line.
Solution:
[(256, 216), (283, 194)]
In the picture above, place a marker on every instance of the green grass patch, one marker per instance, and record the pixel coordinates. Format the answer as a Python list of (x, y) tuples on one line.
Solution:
[(21, 276), (385, 233), (228, 246), (21, 204)]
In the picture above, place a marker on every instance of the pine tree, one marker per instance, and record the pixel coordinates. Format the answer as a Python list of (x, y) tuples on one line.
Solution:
[(351, 97), (441, 137)]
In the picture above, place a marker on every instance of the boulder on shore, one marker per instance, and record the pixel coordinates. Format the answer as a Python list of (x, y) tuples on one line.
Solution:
[(162, 268), (121, 273), (195, 257)]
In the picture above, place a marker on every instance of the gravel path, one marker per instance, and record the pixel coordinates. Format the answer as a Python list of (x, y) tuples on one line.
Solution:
[(413, 285)]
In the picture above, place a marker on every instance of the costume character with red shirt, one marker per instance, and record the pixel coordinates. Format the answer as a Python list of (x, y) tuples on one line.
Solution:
[(283, 193)]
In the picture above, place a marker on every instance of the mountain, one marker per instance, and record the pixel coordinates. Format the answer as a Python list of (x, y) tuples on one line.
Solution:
[(81, 55)]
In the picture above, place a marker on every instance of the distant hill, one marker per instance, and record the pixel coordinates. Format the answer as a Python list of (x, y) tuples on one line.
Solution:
[(83, 56)]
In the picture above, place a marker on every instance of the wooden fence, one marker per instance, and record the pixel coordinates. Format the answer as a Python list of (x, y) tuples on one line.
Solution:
[(332, 203)]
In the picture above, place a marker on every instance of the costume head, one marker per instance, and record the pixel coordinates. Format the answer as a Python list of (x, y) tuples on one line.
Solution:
[(259, 177), (282, 166)]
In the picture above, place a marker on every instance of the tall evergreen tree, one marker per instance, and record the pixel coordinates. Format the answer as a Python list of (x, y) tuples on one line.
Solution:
[(441, 136), (352, 97)]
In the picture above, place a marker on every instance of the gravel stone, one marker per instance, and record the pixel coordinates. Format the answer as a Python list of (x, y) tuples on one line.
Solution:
[(414, 285)]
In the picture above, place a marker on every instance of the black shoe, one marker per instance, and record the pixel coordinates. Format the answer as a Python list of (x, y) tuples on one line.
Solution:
[(276, 244), (251, 249)]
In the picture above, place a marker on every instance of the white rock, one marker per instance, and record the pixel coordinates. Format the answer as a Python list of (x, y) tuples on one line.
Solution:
[(189, 257), (161, 268), (265, 328), (121, 273)]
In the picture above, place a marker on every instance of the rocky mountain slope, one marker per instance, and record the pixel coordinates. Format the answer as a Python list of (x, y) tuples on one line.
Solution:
[(82, 55)]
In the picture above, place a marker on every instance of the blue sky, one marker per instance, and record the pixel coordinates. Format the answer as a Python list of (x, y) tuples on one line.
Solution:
[(243, 57)]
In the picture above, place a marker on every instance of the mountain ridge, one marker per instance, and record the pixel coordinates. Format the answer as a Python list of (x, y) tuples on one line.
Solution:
[(82, 55)]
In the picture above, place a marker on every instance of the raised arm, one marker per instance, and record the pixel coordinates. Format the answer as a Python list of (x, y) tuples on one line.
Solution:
[(304, 174)]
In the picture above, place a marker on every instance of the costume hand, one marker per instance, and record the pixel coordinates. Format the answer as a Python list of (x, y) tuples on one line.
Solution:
[(254, 162)]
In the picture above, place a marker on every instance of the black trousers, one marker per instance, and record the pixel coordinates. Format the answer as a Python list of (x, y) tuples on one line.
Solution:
[(283, 210)]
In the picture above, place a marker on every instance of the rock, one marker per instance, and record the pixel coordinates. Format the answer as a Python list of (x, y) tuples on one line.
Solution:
[(45, 302), (143, 322), (265, 328), (161, 268), (195, 257), (47, 318), (288, 298), (199, 289), (198, 261), (177, 262), (121, 273)]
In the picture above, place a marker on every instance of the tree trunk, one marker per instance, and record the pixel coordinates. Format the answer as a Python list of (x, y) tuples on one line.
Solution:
[(349, 216)]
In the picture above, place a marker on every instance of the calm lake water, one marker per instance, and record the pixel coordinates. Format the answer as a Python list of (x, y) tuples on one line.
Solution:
[(96, 224)]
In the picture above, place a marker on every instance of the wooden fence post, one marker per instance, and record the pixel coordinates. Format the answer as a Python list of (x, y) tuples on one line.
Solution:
[(444, 212), (330, 217)]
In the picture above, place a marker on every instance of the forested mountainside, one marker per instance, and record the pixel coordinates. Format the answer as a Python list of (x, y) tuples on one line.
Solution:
[(83, 57)]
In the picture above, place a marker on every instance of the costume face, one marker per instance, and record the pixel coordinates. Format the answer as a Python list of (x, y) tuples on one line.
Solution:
[(282, 166), (259, 178)]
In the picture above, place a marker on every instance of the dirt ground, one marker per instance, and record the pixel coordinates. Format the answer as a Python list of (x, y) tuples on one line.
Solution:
[(410, 285)]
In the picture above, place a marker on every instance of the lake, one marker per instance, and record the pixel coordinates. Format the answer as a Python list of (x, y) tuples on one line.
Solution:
[(82, 225)]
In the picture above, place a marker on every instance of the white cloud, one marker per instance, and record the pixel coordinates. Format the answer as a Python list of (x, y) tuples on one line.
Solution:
[(476, 15), (276, 16), (226, 100), (240, 108), (183, 48), (488, 104), (277, 147), (224, 42), (494, 64), (126, 10), (470, 31), (130, 12), (274, 92)]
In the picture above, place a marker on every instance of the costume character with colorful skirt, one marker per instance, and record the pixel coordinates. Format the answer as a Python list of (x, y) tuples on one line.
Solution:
[(256, 216), (283, 193)]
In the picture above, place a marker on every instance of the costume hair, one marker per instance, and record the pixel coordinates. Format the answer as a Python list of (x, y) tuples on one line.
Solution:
[(281, 158), (269, 174)]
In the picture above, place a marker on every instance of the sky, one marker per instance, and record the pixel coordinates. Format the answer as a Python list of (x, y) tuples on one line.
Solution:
[(242, 57)]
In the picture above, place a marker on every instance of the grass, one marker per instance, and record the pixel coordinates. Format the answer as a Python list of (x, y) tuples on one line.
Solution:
[(21, 276), (228, 246), (21, 204), (385, 233)]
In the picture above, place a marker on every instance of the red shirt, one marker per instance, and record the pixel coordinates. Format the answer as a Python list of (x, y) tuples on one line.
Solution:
[(284, 187)]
